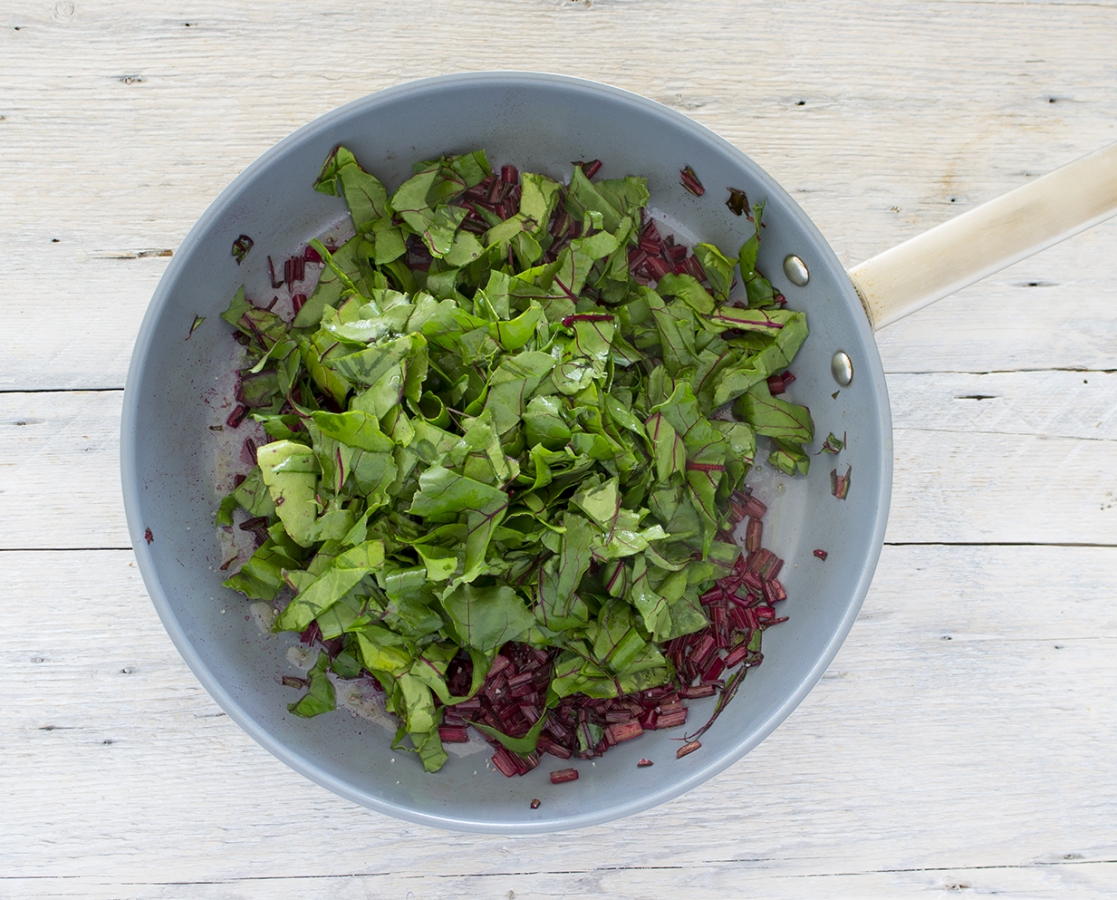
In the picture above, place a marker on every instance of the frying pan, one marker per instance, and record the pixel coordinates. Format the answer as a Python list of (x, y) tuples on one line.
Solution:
[(175, 459)]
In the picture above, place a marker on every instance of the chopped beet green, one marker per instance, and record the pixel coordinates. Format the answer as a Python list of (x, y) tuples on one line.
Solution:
[(241, 246), (500, 474), (832, 444), (738, 203), (690, 182)]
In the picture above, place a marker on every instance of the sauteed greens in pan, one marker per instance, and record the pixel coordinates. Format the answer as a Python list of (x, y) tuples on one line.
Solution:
[(509, 431)]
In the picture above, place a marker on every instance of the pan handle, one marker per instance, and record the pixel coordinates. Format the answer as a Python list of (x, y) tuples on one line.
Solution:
[(986, 239)]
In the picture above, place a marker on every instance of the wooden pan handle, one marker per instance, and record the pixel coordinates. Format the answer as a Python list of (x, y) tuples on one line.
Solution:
[(986, 239)]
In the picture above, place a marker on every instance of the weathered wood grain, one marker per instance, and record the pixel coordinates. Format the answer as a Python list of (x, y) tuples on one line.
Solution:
[(119, 762), (60, 470)]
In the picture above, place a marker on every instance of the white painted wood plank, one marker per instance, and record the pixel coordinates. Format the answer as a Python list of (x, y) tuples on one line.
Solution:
[(999, 457), (132, 121), (718, 879), (917, 763), (60, 470), (988, 487), (1050, 404)]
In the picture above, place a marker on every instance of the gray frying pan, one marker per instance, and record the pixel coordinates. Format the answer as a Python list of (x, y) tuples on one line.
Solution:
[(177, 389)]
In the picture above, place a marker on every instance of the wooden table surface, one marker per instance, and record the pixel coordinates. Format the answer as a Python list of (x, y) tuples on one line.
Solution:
[(965, 738)]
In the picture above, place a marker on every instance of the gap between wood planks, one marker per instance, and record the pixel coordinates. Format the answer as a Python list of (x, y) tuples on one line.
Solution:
[(81, 390), (978, 373), (1070, 859)]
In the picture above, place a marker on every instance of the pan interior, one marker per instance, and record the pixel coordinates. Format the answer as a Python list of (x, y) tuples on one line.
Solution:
[(177, 393)]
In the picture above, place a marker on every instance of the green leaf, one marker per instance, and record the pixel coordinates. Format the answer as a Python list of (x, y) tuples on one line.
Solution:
[(341, 575), (525, 744), (261, 576), (775, 417), (670, 451), (486, 618), (420, 720), (290, 471), (544, 423), (443, 492), (512, 384), (515, 334), (688, 289), (718, 269), (364, 194), (558, 605), (384, 652), (789, 457), (355, 429), (600, 501), (320, 698)]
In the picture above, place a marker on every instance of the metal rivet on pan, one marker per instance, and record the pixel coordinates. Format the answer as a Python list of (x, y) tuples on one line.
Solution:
[(841, 367), (796, 270)]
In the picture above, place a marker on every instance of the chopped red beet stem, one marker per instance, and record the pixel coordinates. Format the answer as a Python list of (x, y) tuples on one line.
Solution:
[(771, 568), (271, 274), (639, 255), (755, 508), (453, 734), (736, 655), (237, 416), (671, 719), (694, 268), (561, 776), (687, 748), (839, 484), (691, 183), (624, 731), (506, 762), (821, 554), (658, 267), (753, 533), (535, 804), (714, 669), (591, 168)]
